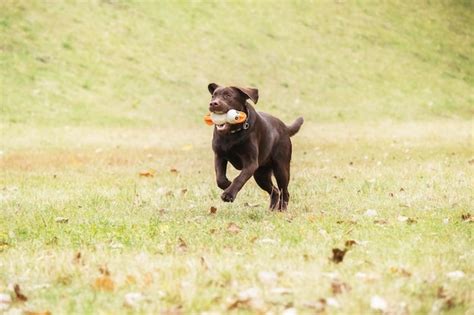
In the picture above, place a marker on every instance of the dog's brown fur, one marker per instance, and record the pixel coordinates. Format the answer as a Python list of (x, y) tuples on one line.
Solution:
[(262, 149)]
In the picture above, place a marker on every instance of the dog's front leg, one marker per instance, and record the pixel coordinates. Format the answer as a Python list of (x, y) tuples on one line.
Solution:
[(220, 165), (248, 170)]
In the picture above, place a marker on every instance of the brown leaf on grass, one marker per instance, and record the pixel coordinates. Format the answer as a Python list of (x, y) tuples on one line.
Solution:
[(447, 301), (36, 313), (104, 283), (212, 210), (319, 306), (338, 255), (204, 263), (182, 246), (77, 258), (212, 231), (104, 270), (61, 220), (349, 243), (381, 222), (18, 294), (184, 191), (233, 228), (147, 173), (471, 161), (338, 287), (400, 271), (247, 299), (411, 221), (467, 217), (174, 170)]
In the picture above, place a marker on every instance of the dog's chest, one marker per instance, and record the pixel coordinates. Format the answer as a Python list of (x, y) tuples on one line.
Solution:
[(231, 153)]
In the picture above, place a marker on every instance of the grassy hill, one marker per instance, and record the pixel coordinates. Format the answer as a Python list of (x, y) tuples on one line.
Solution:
[(137, 63), (106, 172)]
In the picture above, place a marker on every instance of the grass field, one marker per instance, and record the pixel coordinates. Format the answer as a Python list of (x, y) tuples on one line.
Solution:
[(107, 183)]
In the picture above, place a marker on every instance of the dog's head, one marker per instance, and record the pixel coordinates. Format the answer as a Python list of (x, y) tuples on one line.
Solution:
[(226, 98)]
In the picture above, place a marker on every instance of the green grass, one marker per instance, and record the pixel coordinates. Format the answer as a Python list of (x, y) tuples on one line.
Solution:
[(95, 93)]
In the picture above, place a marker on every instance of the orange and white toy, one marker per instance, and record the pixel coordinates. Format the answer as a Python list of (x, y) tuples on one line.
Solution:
[(232, 117)]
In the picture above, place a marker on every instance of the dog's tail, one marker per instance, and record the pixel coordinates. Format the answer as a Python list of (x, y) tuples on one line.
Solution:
[(295, 126)]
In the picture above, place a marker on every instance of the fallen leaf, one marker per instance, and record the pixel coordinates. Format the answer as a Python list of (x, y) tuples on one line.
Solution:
[(104, 270), (213, 210), (204, 263), (18, 294), (249, 298), (212, 231), (378, 303), (133, 299), (349, 243), (61, 220), (182, 246), (471, 161), (184, 191), (338, 287), (104, 283), (174, 170), (233, 228), (77, 258), (147, 173), (36, 313), (381, 222), (467, 217), (338, 255), (401, 271), (319, 306)]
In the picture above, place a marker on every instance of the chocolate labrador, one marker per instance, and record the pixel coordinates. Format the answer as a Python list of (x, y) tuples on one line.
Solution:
[(259, 147)]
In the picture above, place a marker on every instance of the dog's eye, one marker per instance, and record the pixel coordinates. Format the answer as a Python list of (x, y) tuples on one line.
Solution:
[(226, 95)]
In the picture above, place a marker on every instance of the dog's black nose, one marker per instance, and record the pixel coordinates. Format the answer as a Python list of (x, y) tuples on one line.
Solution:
[(213, 104)]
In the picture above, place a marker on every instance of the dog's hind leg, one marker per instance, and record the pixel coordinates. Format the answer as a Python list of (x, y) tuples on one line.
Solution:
[(263, 177), (282, 175)]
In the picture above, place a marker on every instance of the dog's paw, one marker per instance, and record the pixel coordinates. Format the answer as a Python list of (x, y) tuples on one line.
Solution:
[(228, 196), (223, 184)]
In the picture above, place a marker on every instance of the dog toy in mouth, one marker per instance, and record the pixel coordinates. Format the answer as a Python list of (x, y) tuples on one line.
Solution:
[(232, 117)]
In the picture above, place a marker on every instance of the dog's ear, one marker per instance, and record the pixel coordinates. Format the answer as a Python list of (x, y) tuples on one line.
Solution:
[(212, 87), (249, 93)]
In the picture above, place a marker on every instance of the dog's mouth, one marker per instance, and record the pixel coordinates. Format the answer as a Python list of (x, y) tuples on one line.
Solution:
[(221, 127)]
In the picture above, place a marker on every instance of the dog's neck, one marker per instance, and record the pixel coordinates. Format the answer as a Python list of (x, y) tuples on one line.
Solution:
[(245, 125)]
